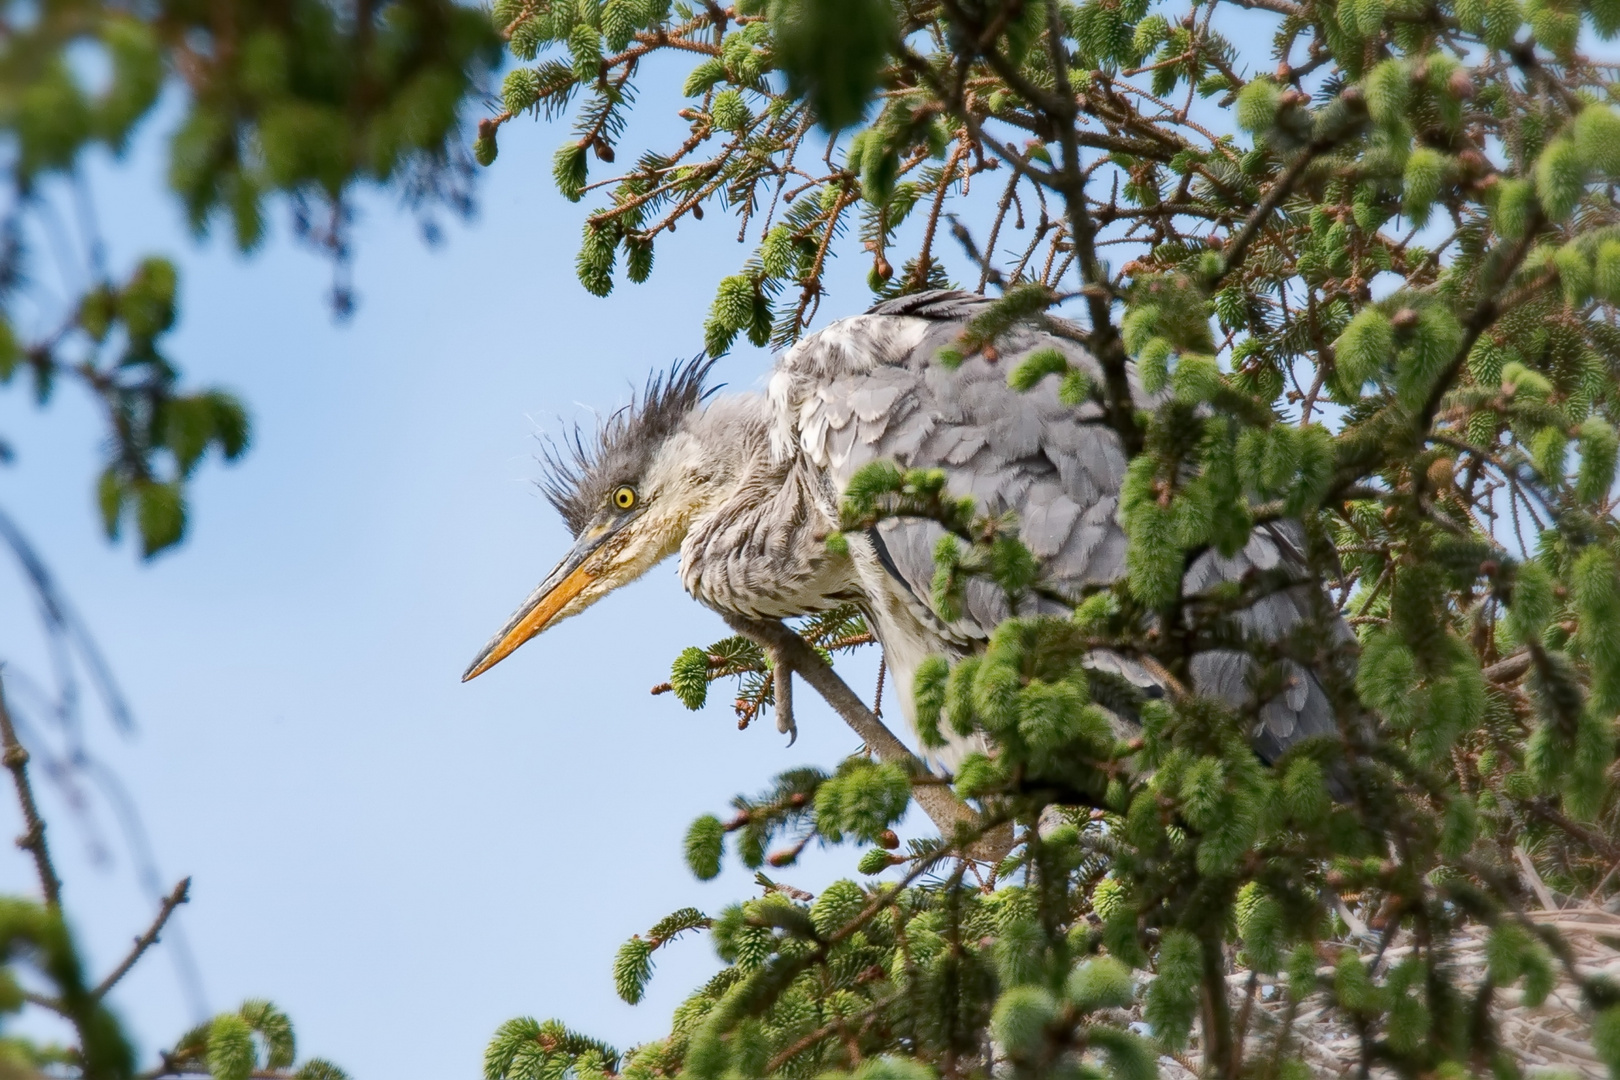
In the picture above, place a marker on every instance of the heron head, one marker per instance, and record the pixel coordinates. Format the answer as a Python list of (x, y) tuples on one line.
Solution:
[(627, 493)]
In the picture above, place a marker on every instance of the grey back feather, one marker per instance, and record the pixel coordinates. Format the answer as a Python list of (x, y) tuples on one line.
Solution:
[(870, 388)]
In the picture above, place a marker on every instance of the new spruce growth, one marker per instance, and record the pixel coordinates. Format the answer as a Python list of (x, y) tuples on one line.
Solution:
[(1361, 303)]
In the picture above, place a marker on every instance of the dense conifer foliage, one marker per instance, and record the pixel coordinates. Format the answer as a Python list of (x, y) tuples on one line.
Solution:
[(43, 969), (1364, 255)]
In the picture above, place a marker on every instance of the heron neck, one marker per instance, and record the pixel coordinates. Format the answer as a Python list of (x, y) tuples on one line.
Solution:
[(758, 545), (732, 441)]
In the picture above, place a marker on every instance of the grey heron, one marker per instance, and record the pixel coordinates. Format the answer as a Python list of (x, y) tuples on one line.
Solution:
[(745, 488)]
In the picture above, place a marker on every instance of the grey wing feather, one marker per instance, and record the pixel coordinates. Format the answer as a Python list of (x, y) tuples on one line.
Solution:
[(934, 304), (1057, 467)]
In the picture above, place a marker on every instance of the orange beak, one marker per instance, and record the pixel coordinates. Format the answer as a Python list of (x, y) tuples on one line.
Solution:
[(562, 585)]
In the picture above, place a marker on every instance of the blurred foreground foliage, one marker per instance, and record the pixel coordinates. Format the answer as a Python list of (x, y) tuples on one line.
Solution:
[(42, 968), (299, 102), (1365, 257), (296, 103)]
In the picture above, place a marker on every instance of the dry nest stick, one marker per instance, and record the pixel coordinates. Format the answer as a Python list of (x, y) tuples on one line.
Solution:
[(1554, 1035)]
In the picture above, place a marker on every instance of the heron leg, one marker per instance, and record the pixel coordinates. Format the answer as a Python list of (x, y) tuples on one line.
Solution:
[(937, 800), (782, 674)]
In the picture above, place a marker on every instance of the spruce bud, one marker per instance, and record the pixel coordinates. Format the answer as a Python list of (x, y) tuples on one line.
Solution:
[(569, 170), (729, 112), (1020, 1019), (230, 1050), (1560, 178), (1257, 106), (520, 89), (705, 843), (1425, 175), (1606, 271), (1597, 139), (1100, 983), (618, 23), (1515, 199), (484, 147), (875, 861)]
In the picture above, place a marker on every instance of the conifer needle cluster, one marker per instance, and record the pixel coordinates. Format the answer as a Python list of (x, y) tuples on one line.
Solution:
[(1364, 255)]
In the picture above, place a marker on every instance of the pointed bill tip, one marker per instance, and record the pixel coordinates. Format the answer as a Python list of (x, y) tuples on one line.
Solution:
[(537, 611)]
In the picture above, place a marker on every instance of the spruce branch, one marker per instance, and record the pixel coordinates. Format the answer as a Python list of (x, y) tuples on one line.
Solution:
[(826, 1031), (1105, 340), (1238, 248), (1491, 305), (1509, 669)]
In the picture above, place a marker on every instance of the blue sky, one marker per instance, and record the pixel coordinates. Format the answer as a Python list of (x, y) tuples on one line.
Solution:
[(398, 860)]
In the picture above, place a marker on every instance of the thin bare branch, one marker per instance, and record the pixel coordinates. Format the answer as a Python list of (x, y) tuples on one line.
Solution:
[(177, 896), (32, 839)]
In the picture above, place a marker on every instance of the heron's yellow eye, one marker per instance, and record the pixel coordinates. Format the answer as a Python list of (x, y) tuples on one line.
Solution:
[(625, 497)]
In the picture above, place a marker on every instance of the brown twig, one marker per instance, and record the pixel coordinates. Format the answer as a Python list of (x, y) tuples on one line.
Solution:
[(32, 840), (180, 894), (1509, 669), (45, 1001)]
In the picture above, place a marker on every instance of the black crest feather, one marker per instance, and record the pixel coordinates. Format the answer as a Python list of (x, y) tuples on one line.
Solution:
[(582, 469)]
